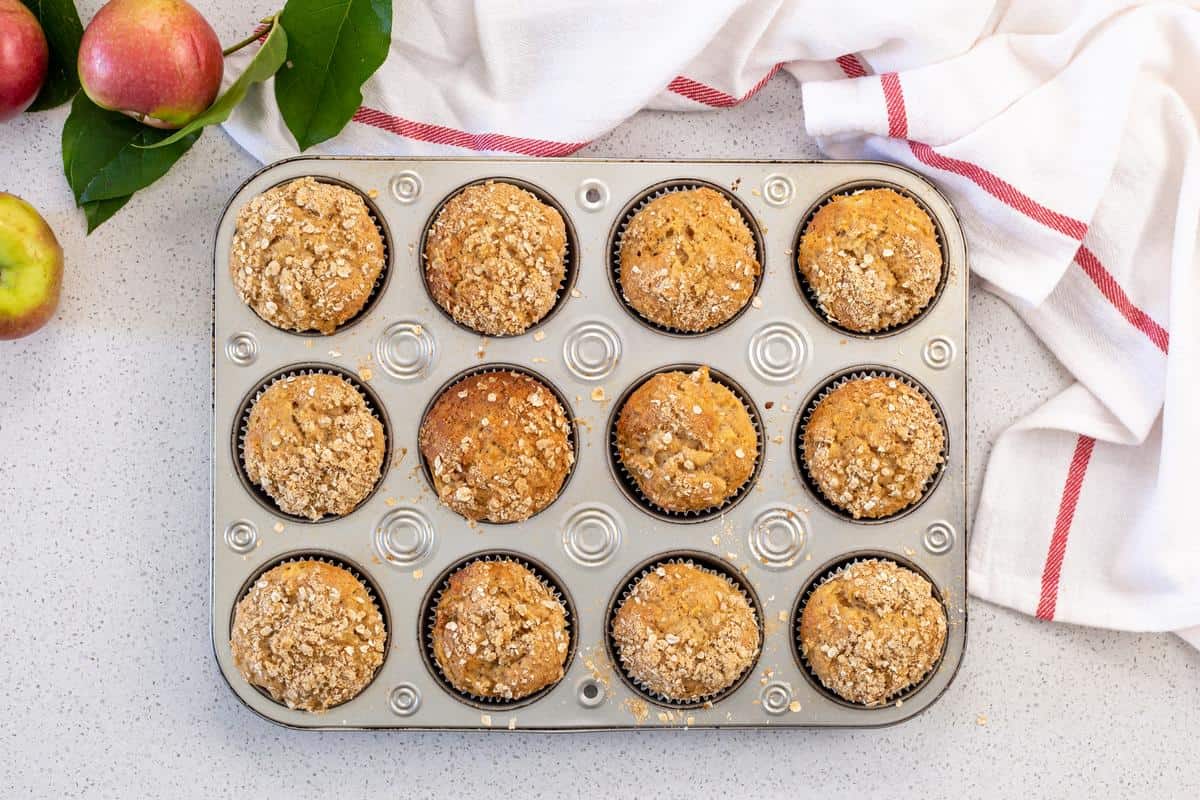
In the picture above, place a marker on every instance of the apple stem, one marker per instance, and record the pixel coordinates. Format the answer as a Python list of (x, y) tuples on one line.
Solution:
[(252, 38)]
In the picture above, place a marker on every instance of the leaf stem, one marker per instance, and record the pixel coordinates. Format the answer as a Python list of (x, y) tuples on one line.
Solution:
[(252, 38)]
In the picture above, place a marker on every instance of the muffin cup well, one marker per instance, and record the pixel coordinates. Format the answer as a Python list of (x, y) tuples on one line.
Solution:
[(242, 423), (333, 560), (838, 380), (810, 295), (570, 257), (629, 486), (427, 619), (703, 561), (825, 573), (484, 369), (380, 285), (637, 204)]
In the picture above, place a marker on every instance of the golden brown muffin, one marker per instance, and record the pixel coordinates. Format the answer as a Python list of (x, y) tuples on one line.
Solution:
[(498, 446), (872, 630), (313, 445), (309, 634), (688, 260), (686, 440), (495, 258), (871, 445), (499, 632), (685, 633), (872, 258), (306, 255)]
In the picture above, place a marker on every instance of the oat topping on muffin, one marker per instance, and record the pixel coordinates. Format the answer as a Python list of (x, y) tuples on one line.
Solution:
[(684, 632), (306, 255), (498, 445), (688, 260), (495, 258), (872, 258), (871, 445), (309, 634), (872, 630), (499, 632), (686, 440), (313, 445)]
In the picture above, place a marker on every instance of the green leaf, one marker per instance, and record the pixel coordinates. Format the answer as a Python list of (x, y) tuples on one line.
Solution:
[(333, 47), (60, 22), (105, 160), (266, 62)]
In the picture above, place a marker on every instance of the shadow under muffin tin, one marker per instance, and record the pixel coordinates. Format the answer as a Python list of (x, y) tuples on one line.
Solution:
[(777, 536)]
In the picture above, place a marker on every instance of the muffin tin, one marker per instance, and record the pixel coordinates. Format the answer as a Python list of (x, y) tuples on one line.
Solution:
[(778, 535)]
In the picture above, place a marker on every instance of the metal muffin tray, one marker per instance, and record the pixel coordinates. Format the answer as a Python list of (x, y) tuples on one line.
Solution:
[(777, 539)]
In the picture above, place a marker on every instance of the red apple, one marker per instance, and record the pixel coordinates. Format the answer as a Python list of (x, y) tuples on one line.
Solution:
[(31, 267), (24, 58), (158, 61)]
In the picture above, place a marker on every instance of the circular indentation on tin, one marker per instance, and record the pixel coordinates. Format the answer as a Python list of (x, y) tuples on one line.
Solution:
[(591, 535), (404, 700), (777, 537), (405, 537), (241, 536), (778, 190), (570, 257), (837, 380), (637, 204), (629, 487), (592, 350), (591, 693), (777, 352), (809, 294), (592, 195), (242, 422), (406, 186), (939, 352), (428, 618), (775, 697), (823, 574), (572, 438), (939, 538), (242, 348), (707, 563), (406, 350)]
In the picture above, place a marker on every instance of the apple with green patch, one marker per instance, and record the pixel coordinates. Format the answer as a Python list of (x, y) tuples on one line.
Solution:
[(31, 267), (158, 61)]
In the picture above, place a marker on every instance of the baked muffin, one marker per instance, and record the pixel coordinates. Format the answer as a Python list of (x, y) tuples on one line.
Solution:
[(686, 440), (872, 630), (685, 633), (309, 634), (495, 258), (306, 255), (871, 445), (499, 632), (688, 260), (498, 445), (313, 445), (872, 258)]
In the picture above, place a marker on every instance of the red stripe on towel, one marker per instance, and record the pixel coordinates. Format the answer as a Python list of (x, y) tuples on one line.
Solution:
[(1052, 572), (439, 134), (702, 93)]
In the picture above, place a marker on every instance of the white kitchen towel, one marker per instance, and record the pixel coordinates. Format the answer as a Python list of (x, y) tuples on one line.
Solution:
[(1067, 134)]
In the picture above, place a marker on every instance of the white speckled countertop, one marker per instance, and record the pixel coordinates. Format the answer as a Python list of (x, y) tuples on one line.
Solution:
[(110, 687)]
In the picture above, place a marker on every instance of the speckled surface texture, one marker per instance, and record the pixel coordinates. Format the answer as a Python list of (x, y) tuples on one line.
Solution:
[(111, 689)]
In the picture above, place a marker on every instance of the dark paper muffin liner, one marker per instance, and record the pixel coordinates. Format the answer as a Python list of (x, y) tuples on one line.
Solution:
[(333, 560), (707, 563), (641, 201), (242, 423), (828, 572), (823, 390), (427, 620), (570, 256), (809, 293), (629, 485), (484, 369)]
